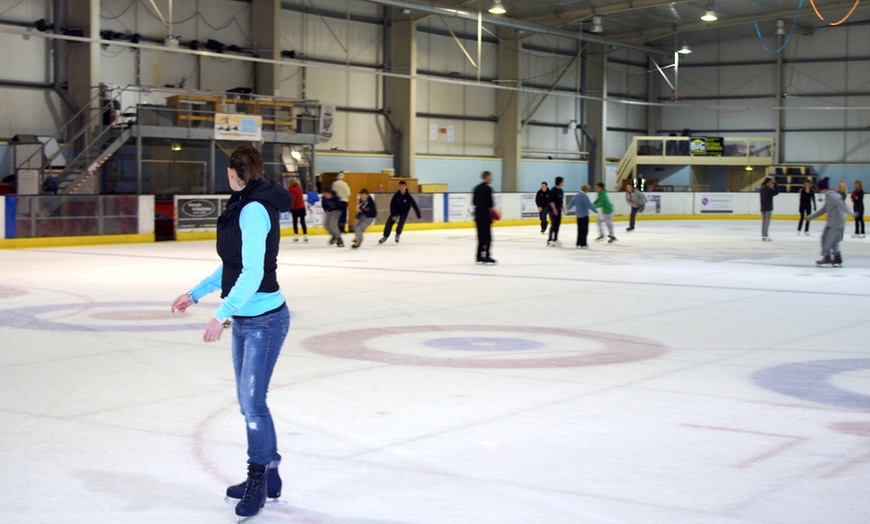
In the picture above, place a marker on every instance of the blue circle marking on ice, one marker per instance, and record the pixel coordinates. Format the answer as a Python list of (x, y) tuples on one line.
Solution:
[(811, 381), (483, 344)]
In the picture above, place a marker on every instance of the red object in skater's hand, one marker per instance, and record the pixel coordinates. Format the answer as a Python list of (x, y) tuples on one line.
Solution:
[(493, 214)]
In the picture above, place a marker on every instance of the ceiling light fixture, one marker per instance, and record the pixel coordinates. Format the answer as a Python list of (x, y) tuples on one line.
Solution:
[(684, 50), (709, 15), (780, 27), (497, 8), (596, 25)]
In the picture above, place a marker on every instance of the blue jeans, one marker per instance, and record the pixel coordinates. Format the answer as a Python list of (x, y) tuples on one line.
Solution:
[(257, 343), (543, 216)]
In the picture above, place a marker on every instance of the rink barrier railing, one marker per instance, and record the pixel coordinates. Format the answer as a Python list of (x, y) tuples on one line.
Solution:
[(439, 210), (63, 220)]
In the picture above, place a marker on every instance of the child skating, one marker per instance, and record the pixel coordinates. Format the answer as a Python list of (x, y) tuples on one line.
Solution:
[(605, 217)]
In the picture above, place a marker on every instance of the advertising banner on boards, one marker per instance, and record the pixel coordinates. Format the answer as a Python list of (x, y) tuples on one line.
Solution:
[(199, 212)]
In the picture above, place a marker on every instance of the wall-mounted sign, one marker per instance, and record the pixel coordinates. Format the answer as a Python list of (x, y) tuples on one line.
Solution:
[(706, 146), (198, 213), (327, 121), (698, 146), (715, 145), (238, 127)]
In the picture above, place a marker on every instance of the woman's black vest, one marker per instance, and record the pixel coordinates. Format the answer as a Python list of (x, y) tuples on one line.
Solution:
[(229, 238)]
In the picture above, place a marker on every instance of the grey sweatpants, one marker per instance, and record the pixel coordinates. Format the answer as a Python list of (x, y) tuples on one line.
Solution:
[(831, 237), (330, 222), (361, 225), (605, 220), (765, 223)]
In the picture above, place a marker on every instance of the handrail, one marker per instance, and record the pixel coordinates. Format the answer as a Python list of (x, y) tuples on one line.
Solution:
[(78, 135), (628, 163), (61, 135)]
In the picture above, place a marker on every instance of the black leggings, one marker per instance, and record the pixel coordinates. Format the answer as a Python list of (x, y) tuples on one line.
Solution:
[(582, 230), (299, 214), (804, 214), (859, 222)]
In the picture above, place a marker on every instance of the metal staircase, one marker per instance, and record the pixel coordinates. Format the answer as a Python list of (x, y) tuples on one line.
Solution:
[(81, 168), (86, 144)]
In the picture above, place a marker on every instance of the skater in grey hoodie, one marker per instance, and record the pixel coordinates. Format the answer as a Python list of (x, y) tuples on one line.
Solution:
[(835, 208)]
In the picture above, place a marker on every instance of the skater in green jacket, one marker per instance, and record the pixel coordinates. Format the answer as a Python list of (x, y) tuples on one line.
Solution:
[(605, 213)]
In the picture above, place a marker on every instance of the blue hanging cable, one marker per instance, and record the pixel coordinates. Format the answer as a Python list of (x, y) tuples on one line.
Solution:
[(787, 38)]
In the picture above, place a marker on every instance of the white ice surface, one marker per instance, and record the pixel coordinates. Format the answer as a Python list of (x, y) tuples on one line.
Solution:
[(631, 382)]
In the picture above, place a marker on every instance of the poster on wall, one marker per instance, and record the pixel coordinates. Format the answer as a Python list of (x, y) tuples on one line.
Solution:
[(238, 127), (715, 203), (327, 121)]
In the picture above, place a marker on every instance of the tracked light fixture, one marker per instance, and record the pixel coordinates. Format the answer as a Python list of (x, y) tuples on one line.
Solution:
[(497, 8)]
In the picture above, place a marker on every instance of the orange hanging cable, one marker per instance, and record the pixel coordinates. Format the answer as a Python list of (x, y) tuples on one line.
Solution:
[(854, 6)]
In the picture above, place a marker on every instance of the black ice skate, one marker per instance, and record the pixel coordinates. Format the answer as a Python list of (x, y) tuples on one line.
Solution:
[(825, 260), (273, 490), (254, 497), (838, 260)]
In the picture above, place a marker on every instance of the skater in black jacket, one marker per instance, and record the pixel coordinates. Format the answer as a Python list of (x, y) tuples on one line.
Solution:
[(484, 213), (542, 200), (400, 206), (767, 192), (806, 207), (367, 211), (858, 207)]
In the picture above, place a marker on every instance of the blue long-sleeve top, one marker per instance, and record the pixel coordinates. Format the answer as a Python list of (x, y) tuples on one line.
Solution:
[(582, 205), (244, 300)]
